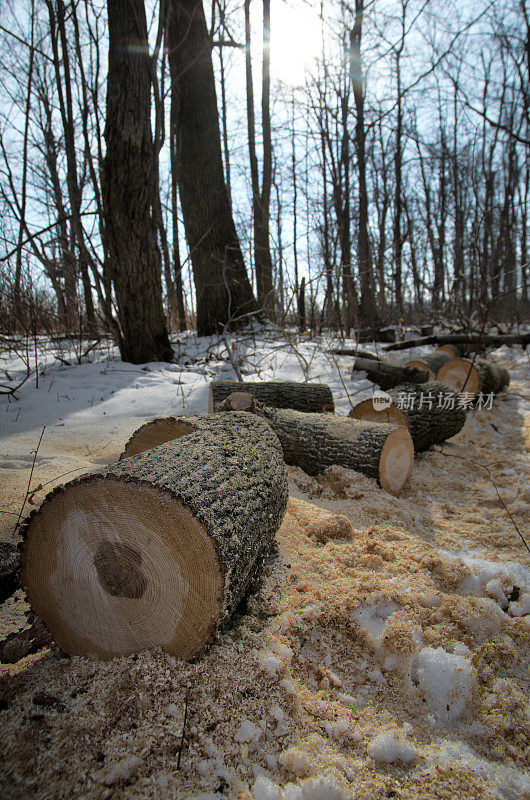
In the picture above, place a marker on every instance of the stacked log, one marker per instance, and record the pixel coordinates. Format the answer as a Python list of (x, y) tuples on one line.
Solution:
[(478, 377), (158, 549), (431, 362), (276, 394), (316, 441), (388, 375), (431, 411)]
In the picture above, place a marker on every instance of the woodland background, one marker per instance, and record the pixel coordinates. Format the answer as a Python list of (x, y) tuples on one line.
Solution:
[(167, 165)]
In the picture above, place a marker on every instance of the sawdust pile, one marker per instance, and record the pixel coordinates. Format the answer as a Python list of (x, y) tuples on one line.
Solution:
[(376, 658)]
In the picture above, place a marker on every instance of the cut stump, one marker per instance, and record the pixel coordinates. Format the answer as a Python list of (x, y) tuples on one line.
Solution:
[(276, 394), (158, 549)]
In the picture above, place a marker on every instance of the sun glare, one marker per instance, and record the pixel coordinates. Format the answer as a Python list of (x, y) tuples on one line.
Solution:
[(295, 40)]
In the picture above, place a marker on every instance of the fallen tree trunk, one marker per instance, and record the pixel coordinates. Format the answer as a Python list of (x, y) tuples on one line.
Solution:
[(430, 410), (354, 351), (276, 394), (316, 441), (9, 567), (157, 550), (476, 340), (432, 362), (388, 375), (478, 377)]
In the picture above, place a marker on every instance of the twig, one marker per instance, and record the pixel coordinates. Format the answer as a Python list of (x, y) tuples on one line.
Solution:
[(183, 734), (30, 477)]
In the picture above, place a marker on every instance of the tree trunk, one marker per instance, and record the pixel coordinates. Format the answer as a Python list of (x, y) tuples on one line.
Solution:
[(388, 375), (301, 306), (300, 396), (222, 287), (367, 307), (164, 545), (128, 188), (423, 409), (177, 266)]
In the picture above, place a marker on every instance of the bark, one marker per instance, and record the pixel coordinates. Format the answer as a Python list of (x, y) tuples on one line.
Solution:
[(422, 408), (260, 198), (300, 396), (316, 441), (474, 377), (201, 515), (301, 306), (367, 308), (477, 340), (72, 179), (18, 263), (177, 266), (129, 188), (431, 362), (222, 287), (389, 375), (346, 351)]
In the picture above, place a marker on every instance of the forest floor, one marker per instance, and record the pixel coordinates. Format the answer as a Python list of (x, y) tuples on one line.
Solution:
[(385, 653)]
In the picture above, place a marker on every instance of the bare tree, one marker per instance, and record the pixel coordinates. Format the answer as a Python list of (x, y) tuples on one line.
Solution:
[(129, 188), (222, 287)]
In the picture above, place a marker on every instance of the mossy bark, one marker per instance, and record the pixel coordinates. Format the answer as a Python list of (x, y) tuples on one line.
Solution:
[(316, 441), (277, 394)]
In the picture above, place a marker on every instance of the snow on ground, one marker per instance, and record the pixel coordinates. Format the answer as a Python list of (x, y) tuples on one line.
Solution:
[(386, 652)]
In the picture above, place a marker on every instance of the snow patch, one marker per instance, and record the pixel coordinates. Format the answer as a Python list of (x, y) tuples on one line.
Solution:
[(388, 747), (447, 680)]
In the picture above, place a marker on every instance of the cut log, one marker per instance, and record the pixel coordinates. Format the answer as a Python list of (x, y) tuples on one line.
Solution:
[(455, 350), (277, 394), (427, 330), (157, 550), (476, 341), (9, 568), (430, 410), (388, 375), (387, 334), (316, 441), (431, 362), (476, 377)]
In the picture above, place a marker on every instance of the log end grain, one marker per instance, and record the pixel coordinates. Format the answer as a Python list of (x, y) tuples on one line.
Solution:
[(397, 459), (156, 432), (366, 410), (461, 375), (113, 566)]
